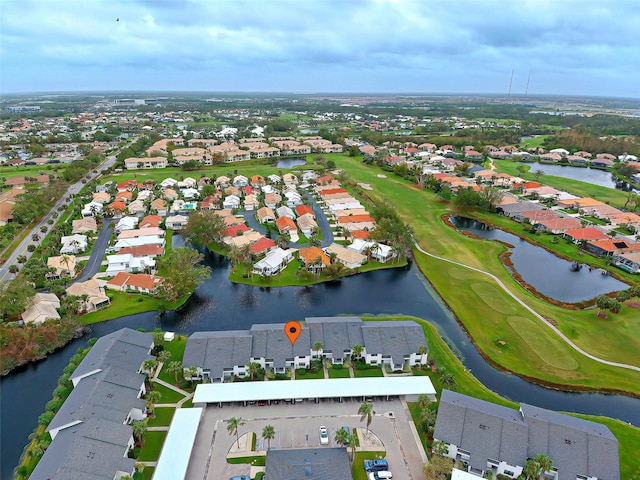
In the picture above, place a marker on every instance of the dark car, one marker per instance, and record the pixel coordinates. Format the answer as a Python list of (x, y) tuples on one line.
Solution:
[(376, 465)]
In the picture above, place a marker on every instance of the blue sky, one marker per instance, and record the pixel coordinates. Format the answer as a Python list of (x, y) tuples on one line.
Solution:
[(571, 47)]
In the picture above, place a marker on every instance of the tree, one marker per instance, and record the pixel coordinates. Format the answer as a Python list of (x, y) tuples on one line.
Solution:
[(139, 429), (183, 274), (176, 368), (536, 466), (14, 269), (438, 468), (164, 356), (317, 347), (15, 295), (232, 427), (490, 197), (268, 433), (152, 397), (341, 437), (602, 302), (366, 412), (149, 365), (356, 351), (439, 448), (352, 443), (204, 227), (537, 174), (428, 422), (253, 368), (448, 381)]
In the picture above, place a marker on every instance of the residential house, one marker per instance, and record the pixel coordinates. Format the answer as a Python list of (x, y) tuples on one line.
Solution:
[(275, 179), (285, 211), (486, 437), (137, 207), (610, 247), (576, 160), (92, 209), (314, 259), (168, 183), (190, 193), (304, 209), (91, 435), (286, 225), (170, 194), (43, 307), (293, 199), (126, 223), (117, 208), (210, 202), (550, 158), (222, 181), (240, 181), (257, 181), (137, 241), (348, 258), (94, 289), (64, 265), (378, 251), (73, 244), (101, 197), (588, 234), (138, 282), (124, 196), (557, 226), (188, 182), (307, 225), (560, 151), (262, 245), (150, 221), (251, 202), (145, 162), (290, 179), (159, 206), (628, 261), (274, 262), (84, 225), (153, 251), (176, 222), (231, 202), (141, 232), (272, 200), (128, 263), (265, 215)]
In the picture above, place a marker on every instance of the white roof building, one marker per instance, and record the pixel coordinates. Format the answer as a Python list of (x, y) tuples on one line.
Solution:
[(126, 223), (231, 202), (275, 261), (43, 307), (73, 244), (168, 182), (91, 209)]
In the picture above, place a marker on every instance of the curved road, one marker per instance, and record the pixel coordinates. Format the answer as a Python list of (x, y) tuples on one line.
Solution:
[(21, 249), (533, 312)]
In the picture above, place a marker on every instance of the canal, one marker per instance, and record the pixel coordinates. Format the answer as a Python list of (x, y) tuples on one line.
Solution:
[(221, 305), (549, 274)]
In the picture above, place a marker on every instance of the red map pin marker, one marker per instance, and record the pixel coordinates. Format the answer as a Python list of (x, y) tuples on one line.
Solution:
[(292, 329)]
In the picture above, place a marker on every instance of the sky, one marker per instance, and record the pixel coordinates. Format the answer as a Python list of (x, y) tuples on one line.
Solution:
[(568, 47)]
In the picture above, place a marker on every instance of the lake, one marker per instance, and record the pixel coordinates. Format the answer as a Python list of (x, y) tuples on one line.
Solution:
[(221, 305), (594, 176), (549, 274), (291, 162)]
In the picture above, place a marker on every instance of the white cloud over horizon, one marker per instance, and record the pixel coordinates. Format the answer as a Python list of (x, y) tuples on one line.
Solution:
[(571, 47)]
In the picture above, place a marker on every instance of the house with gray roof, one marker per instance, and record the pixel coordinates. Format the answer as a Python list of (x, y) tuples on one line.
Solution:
[(489, 437), (308, 463), (90, 434), (223, 355)]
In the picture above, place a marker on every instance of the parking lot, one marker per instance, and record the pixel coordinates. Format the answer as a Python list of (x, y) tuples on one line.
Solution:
[(297, 426)]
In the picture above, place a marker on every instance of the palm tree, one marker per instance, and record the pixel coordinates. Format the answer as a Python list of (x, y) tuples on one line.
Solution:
[(164, 356), (366, 412), (253, 368), (232, 427), (14, 269), (448, 381), (352, 443), (66, 260), (268, 433), (152, 397), (536, 466), (341, 437), (139, 429), (149, 365), (175, 367), (356, 351), (316, 348), (192, 372)]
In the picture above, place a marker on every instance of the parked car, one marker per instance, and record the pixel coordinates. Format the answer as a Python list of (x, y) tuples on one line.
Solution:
[(376, 465), (381, 475), (324, 436)]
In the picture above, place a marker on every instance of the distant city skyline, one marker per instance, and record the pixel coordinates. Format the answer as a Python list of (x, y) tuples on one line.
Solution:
[(570, 47)]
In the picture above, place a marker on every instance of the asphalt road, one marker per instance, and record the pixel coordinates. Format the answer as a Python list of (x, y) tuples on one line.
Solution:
[(93, 265), (22, 247)]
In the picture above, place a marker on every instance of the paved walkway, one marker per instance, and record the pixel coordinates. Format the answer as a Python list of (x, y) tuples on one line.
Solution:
[(533, 312), (187, 396)]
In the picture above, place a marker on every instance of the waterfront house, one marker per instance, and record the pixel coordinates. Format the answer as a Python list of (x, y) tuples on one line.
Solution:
[(43, 307), (138, 282), (176, 222), (274, 262), (314, 259), (94, 289), (348, 258)]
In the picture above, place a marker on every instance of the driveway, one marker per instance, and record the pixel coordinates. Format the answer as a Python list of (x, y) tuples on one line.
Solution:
[(93, 265)]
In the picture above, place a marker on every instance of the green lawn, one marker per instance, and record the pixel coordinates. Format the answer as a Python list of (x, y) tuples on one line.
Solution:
[(31, 170), (168, 395), (367, 372), (534, 142), (129, 304), (176, 348), (308, 375), (464, 290), (338, 372), (146, 474), (163, 416), (152, 446)]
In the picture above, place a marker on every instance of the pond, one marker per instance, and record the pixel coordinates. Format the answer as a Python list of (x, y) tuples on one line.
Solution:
[(309, 131), (551, 275), (594, 176), (291, 162), (221, 305)]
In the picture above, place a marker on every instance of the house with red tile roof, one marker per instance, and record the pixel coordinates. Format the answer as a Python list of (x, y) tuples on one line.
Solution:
[(304, 209), (356, 219), (117, 207), (139, 282), (585, 234), (124, 196), (363, 234), (150, 221), (128, 185), (331, 191), (151, 250), (285, 224), (263, 245), (612, 246), (314, 259), (236, 230), (210, 202)]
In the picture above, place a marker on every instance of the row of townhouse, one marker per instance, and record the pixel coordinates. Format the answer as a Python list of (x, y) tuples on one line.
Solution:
[(223, 355)]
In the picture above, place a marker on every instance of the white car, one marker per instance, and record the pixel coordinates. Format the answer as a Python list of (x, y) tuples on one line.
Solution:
[(324, 436), (381, 475)]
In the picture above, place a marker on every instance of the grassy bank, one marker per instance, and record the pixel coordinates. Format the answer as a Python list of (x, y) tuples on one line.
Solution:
[(489, 314), (130, 304), (627, 435)]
